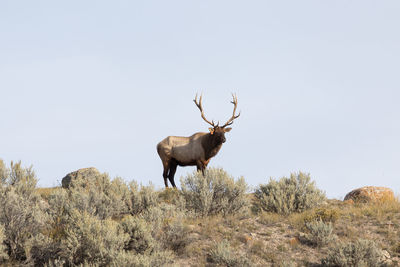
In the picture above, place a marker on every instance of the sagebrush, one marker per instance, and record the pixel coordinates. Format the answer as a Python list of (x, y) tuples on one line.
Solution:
[(22, 210), (319, 233), (359, 253), (294, 194), (97, 221), (224, 255), (216, 192)]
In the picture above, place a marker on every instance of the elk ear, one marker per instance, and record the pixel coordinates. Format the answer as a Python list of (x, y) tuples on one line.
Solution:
[(227, 129), (211, 130)]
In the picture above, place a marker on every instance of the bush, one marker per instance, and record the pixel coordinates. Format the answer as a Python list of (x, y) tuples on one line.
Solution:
[(175, 235), (223, 254), (157, 258), (359, 253), (105, 198), (167, 226), (140, 238), (319, 233), (172, 196), (322, 214), (294, 194), (92, 240), (3, 254), (42, 249), (3, 173), (214, 193), (141, 199), (100, 196), (22, 215)]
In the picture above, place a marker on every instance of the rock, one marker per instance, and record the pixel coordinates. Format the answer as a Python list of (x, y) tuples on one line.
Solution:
[(84, 173), (370, 194)]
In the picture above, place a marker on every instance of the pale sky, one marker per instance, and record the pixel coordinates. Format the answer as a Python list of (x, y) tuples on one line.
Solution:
[(100, 83)]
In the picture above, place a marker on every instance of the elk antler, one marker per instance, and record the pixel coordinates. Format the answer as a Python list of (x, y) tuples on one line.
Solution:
[(230, 121), (198, 104)]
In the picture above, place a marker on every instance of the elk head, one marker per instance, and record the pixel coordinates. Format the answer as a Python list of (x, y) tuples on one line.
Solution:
[(218, 132)]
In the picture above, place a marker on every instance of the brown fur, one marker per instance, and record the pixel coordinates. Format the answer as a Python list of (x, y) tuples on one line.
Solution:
[(196, 150)]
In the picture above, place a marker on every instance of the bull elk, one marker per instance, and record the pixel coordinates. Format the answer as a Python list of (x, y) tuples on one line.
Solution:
[(195, 150)]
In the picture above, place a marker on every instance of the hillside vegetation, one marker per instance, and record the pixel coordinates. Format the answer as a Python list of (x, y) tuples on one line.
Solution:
[(213, 220)]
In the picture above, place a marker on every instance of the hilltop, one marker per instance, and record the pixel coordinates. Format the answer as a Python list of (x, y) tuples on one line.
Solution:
[(212, 221)]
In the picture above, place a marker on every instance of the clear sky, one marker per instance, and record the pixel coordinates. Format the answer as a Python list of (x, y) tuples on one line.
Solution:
[(100, 83)]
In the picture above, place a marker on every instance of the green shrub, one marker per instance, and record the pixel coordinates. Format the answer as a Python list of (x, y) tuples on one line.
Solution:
[(167, 226), (140, 236), (99, 195), (175, 235), (223, 254), (3, 254), (105, 198), (21, 208), (214, 193), (22, 179), (359, 253), (42, 249), (322, 214), (3, 173), (319, 233), (92, 240), (294, 194), (172, 196), (141, 198), (157, 258)]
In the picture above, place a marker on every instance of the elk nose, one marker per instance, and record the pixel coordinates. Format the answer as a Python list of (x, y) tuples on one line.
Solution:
[(223, 140)]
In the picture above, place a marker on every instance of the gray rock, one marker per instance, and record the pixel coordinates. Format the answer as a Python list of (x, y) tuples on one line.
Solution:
[(84, 173)]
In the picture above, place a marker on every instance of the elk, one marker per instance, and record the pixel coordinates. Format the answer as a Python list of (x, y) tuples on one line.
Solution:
[(195, 150)]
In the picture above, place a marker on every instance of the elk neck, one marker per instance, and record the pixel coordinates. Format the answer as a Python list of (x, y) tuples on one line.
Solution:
[(210, 145)]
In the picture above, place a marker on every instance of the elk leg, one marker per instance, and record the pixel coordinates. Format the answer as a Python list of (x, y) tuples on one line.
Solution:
[(171, 174), (200, 166), (165, 174)]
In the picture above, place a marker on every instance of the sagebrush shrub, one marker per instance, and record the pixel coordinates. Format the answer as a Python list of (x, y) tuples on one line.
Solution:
[(21, 208), (42, 249), (90, 239), (141, 198), (100, 196), (287, 195), (157, 258), (214, 193), (3, 173), (223, 254), (323, 214), (173, 196), (167, 226), (319, 233), (3, 254), (359, 253), (175, 235), (140, 235)]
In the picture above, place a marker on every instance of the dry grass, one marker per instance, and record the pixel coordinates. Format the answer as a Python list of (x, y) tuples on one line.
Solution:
[(45, 192), (268, 239)]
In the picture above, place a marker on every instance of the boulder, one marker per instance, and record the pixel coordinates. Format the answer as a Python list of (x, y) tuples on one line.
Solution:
[(370, 194), (84, 173)]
